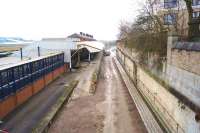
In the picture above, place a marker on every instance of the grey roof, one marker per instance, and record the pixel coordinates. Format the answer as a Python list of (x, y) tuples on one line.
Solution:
[(75, 35), (85, 36), (188, 46)]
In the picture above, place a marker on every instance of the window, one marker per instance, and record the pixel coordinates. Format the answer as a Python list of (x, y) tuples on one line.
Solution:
[(60, 57), (10, 76), (196, 14), (48, 61), (16, 73), (20, 71), (40, 63), (54, 59), (195, 2), (169, 19), (170, 3), (4, 77), (51, 60), (26, 69), (35, 66)]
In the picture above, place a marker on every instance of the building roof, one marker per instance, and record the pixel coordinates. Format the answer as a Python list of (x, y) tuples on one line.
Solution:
[(53, 39), (75, 35), (82, 35), (5, 61)]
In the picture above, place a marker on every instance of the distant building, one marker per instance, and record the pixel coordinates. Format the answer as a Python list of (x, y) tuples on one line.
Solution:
[(174, 14), (81, 37)]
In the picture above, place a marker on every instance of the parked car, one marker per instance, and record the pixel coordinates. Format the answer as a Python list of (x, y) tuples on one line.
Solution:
[(106, 53)]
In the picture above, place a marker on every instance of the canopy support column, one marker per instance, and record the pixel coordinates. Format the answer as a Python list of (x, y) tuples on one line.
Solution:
[(89, 58)]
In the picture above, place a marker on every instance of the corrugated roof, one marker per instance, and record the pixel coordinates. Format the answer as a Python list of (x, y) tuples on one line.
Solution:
[(75, 35), (92, 46)]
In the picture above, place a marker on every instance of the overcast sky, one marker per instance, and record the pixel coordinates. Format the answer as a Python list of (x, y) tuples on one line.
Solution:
[(35, 19)]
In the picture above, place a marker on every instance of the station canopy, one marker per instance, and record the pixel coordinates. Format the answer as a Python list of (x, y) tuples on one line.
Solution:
[(91, 46)]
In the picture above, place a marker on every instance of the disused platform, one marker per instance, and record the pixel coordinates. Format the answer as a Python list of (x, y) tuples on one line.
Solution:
[(27, 116)]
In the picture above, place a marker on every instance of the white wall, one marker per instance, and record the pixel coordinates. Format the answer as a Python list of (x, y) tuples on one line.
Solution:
[(64, 45)]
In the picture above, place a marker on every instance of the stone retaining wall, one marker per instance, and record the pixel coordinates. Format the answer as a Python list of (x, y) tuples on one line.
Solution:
[(183, 68), (169, 110)]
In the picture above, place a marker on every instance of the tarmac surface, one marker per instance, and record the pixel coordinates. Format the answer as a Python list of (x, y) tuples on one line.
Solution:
[(110, 110)]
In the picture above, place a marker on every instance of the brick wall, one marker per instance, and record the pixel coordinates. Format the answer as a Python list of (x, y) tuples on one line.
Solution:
[(11, 102)]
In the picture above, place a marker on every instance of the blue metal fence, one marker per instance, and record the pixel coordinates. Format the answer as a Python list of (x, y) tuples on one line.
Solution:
[(15, 78)]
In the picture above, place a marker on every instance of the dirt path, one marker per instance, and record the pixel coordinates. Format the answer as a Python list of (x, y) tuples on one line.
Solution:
[(110, 110)]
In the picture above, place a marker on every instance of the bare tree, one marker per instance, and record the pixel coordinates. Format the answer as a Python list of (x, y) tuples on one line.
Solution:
[(124, 29), (153, 19), (147, 34), (179, 19)]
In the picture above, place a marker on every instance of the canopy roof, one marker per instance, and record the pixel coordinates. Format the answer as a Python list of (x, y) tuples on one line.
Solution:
[(91, 46)]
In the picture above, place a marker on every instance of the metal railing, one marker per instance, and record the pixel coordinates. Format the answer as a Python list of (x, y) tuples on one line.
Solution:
[(10, 83)]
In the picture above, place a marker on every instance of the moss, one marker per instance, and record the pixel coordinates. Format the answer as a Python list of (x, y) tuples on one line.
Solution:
[(196, 39), (156, 78), (182, 99), (149, 43), (93, 82), (95, 77)]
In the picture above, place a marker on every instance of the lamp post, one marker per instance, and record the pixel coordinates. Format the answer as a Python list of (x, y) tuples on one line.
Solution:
[(21, 53)]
